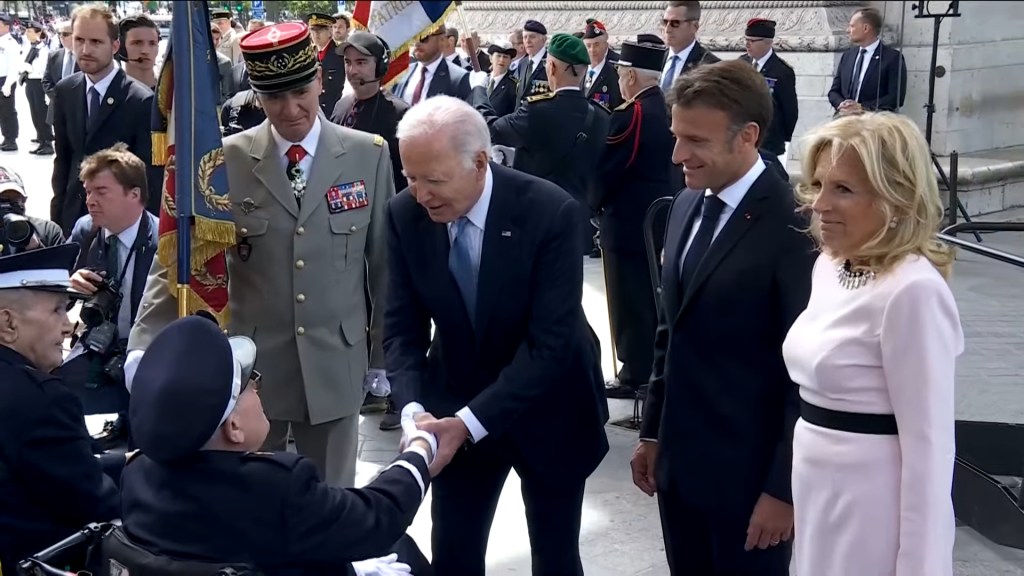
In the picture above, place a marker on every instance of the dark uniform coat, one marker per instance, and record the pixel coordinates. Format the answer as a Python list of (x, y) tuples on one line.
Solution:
[(635, 170), (537, 83), (377, 115), (782, 82), (605, 87), (51, 485), (266, 510), (503, 94), (558, 136), (333, 64)]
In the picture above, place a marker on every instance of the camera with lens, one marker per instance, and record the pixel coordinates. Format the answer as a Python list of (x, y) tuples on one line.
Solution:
[(16, 230), (99, 314)]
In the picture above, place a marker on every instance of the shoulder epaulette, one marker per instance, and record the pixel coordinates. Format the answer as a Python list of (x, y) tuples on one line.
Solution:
[(378, 140), (539, 97), (133, 455), (624, 105), (285, 459)]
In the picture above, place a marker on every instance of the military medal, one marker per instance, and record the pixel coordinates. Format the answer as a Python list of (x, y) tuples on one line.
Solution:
[(298, 182), (248, 205)]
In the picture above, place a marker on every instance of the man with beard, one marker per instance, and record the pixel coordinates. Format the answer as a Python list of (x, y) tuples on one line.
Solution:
[(95, 109), (140, 44), (432, 74)]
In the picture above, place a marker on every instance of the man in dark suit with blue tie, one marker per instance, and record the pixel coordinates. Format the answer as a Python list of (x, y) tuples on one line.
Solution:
[(871, 75), (716, 436), (491, 257)]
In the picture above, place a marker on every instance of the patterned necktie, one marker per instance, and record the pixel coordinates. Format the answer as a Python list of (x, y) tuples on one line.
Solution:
[(460, 264), (670, 75), (713, 206)]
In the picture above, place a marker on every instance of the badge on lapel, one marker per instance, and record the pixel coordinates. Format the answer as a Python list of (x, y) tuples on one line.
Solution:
[(347, 196), (771, 84)]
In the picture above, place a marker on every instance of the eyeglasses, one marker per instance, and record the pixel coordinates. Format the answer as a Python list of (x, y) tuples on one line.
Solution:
[(254, 380), (674, 23)]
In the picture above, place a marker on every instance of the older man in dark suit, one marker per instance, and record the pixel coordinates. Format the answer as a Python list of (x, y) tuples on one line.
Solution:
[(781, 79), (717, 431), (93, 110), (491, 256), (60, 64), (432, 74)]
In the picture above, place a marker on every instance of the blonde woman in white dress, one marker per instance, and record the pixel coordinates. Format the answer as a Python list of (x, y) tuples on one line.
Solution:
[(874, 355)]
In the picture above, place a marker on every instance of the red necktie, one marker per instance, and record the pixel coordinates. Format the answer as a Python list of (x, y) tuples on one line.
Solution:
[(418, 92), (295, 154), (323, 52)]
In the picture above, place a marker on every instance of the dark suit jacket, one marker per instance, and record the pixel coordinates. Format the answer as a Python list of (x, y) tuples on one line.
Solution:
[(635, 170), (240, 76), (449, 80), (885, 82), (51, 76), (699, 55), (333, 65), (532, 352), (537, 83), (94, 249), (605, 87), (503, 95), (482, 59), (379, 115), (720, 402), (782, 81), (51, 485), (125, 116)]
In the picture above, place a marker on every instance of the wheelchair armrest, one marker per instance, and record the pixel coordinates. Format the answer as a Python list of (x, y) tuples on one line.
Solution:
[(121, 553), (84, 539)]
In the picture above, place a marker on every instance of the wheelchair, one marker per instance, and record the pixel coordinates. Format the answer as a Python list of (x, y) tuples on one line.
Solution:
[(105, 550)]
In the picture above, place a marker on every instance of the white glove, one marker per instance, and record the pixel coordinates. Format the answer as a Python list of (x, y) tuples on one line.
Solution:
[(131, 364), (386, 566), (6, 90), (478, 78), (411, 432), (376, 383)]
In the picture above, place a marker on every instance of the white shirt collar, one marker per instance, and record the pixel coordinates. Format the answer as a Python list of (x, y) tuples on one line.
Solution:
[(102, 85), (568, 88), (432, 67), (683, 54), (129, 234), (308, 143), (540, 56), (451, 58), (870, 48), (597, 69), (478, 213), (733, 194), (764, 59), (497, 79)]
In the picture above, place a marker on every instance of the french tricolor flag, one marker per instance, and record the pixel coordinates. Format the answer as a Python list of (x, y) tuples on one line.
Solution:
[(401, 24)]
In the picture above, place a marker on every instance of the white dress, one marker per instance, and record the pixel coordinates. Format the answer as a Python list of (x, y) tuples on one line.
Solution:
[(872, 505)]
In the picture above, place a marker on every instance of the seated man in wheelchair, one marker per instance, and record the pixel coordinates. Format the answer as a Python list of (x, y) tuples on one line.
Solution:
[(50, 483), (197, 491)]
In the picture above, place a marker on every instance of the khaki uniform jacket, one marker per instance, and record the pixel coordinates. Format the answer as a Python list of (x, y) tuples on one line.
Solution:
[(300, 294), (229, 45)]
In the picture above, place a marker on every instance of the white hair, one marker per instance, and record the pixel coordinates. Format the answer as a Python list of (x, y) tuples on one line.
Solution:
[(644, 74), (450, 123)]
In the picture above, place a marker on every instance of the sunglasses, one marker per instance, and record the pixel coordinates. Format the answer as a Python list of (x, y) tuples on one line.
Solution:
[(674, 23), (254, 380)]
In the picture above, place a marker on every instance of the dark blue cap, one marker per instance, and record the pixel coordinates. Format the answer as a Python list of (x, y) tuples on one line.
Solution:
[(6, 18), (186, 384), (46, 269), (534, 26)]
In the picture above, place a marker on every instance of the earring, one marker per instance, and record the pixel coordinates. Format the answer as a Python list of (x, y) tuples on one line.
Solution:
[(893, 222)]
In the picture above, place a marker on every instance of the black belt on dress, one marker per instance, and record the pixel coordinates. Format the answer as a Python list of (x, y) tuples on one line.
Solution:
[(879, 424)]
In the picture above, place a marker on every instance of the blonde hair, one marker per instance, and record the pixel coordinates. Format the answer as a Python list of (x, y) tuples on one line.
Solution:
[(898, 164)]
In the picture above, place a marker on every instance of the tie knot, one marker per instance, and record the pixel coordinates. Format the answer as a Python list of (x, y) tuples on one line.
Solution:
[(713, 206), (296, 153), (863, 51), (112, 241), (459, 225), (591, 72)]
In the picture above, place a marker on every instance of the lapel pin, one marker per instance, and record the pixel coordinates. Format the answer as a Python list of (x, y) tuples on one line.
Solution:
[(110, 100), (506, 233), (248, 205), (747, 216)]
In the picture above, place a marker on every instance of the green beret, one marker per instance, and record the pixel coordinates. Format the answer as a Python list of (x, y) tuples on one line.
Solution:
[(568, 49)]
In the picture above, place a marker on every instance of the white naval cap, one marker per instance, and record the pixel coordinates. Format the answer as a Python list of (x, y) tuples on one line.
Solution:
[(47, 269)]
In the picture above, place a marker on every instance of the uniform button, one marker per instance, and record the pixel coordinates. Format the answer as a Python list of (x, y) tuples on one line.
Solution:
[(243, 231), (300, 264), (300, 330), (300, 298), (300, 231), (352, 228)]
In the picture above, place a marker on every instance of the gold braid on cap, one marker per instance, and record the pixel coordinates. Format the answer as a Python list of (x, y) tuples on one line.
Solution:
[(282, 63)]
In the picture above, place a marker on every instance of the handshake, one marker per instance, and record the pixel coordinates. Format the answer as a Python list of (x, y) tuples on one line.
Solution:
[(439, 439)]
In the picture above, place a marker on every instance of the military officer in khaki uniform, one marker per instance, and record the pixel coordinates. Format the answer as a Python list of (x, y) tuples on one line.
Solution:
[(229, 42), (308, 200)]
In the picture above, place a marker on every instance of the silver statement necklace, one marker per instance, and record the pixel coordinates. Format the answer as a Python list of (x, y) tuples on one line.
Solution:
[(850, 279)]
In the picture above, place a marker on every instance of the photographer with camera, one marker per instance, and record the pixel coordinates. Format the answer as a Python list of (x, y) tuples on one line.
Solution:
[(119, 239), (19, 232)]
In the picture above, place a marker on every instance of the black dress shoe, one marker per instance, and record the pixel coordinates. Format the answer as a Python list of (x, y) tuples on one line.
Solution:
[(392, 420), (35, 140), (373, 404), (8, 147), (43, 150), (616, 389)]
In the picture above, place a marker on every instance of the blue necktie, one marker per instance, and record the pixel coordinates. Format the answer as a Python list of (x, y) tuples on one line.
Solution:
[(94, 105), (713, 206), (460, 264), (666, 81)]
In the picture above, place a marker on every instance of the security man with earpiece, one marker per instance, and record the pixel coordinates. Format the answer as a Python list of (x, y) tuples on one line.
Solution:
[(51, 484)]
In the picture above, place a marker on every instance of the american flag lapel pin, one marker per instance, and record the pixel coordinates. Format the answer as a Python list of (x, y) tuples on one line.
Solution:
[(506, 233), (747, 215)]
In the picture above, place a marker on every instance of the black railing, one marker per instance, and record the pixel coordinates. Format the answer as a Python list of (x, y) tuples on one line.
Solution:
[(949, 236)]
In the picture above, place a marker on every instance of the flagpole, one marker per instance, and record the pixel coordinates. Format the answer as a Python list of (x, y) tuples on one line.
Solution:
[(473, 61), (184, 257)]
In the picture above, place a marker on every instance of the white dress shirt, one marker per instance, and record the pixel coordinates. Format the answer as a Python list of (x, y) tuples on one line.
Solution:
[(732, 195), (764, 59), (593, 72), (126, 240), (473, 233), (101, 87), (683, 55), (414, 80), (10, 59), (869, 53), (38, 66), (308, 144)]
